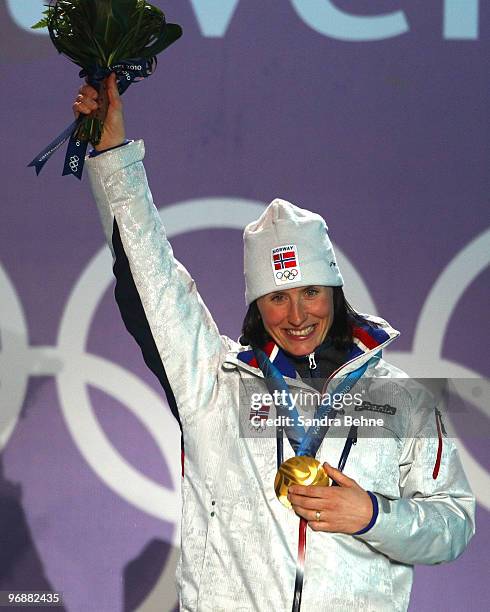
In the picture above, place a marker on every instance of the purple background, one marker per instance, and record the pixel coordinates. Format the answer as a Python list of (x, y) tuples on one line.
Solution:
[(388, 139)]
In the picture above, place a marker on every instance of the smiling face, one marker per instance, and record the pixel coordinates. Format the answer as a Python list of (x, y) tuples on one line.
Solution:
[(298, 319)]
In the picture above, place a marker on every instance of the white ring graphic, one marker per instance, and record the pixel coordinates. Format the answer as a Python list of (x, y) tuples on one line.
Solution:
[(77, 317), (429, 337), (74, 368), (13, 367), (74, 159)]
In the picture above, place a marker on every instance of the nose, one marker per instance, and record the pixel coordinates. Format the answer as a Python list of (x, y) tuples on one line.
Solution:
[(297, 313)]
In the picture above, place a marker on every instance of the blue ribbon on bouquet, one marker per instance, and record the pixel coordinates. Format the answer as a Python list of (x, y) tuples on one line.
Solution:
[(127, 72)]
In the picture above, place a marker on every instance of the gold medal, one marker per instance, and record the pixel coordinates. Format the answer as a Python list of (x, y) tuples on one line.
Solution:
[(298, 470)]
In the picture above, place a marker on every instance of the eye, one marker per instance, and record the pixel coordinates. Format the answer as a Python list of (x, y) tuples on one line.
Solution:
[(278, 298), (311, 291)]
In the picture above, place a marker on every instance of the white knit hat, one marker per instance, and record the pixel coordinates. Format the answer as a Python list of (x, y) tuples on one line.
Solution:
[(287, 247)]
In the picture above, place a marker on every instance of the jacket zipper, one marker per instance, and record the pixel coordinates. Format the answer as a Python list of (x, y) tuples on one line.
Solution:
[(253, 370), (311, 358)]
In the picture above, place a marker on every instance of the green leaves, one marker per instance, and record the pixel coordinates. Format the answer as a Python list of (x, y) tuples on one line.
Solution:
[(164, 40), (122, 12), (103, 32), (43, 23), (105, 28)]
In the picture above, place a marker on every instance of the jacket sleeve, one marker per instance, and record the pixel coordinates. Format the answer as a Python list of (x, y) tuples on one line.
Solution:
[(433, 520), (186, 338), (134, 318)]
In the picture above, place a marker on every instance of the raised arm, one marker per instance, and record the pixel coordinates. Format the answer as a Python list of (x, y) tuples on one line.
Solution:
[(185, 335)]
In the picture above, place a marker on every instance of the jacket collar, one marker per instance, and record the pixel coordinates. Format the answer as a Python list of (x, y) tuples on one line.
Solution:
[(276, 356), (369, 338)]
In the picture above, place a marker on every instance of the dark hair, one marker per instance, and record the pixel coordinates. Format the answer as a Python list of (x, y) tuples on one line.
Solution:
[(340, 332)]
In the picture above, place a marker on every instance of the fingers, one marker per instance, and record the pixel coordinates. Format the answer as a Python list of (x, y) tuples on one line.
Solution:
[(319, 526), (321, 518), (84, 105), (88, 91), (317, 519), (87, 100), (308, 491), (308, 506), (339, 477), (311, 515), (308, 502)]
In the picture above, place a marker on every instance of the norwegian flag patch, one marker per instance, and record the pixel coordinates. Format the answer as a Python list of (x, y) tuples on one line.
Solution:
[(285, 264), (258, 417)]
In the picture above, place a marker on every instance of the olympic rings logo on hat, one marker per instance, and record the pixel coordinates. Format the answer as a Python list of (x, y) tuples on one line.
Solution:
[(285, 264), (287, 274)]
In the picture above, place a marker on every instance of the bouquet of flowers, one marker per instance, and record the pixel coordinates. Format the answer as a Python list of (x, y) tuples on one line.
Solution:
[(104, 36)]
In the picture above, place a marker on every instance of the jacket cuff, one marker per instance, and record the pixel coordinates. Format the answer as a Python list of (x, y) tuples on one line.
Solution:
[(376, 535), (101, 167), (374, 517), (94, 152)]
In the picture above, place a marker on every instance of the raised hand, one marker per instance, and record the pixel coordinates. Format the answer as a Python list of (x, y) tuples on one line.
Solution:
[(87, 102)]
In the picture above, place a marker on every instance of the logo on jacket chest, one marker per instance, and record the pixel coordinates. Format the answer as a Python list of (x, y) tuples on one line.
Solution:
[(382, 408), (258, 417)]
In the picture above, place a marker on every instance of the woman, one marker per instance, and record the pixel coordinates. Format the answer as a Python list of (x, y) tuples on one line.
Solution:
[(403, 499)]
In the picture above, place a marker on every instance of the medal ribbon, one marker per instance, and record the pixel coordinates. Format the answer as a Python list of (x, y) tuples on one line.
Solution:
[(305, 442), (127, 72)]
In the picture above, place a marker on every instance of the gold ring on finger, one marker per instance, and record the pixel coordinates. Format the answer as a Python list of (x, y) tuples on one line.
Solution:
[(318, 515)]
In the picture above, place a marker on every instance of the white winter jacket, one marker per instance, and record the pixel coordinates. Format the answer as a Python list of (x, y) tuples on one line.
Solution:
[(239, 543)]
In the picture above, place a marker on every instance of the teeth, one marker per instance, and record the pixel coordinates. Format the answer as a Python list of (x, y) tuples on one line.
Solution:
[(301, 332)]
